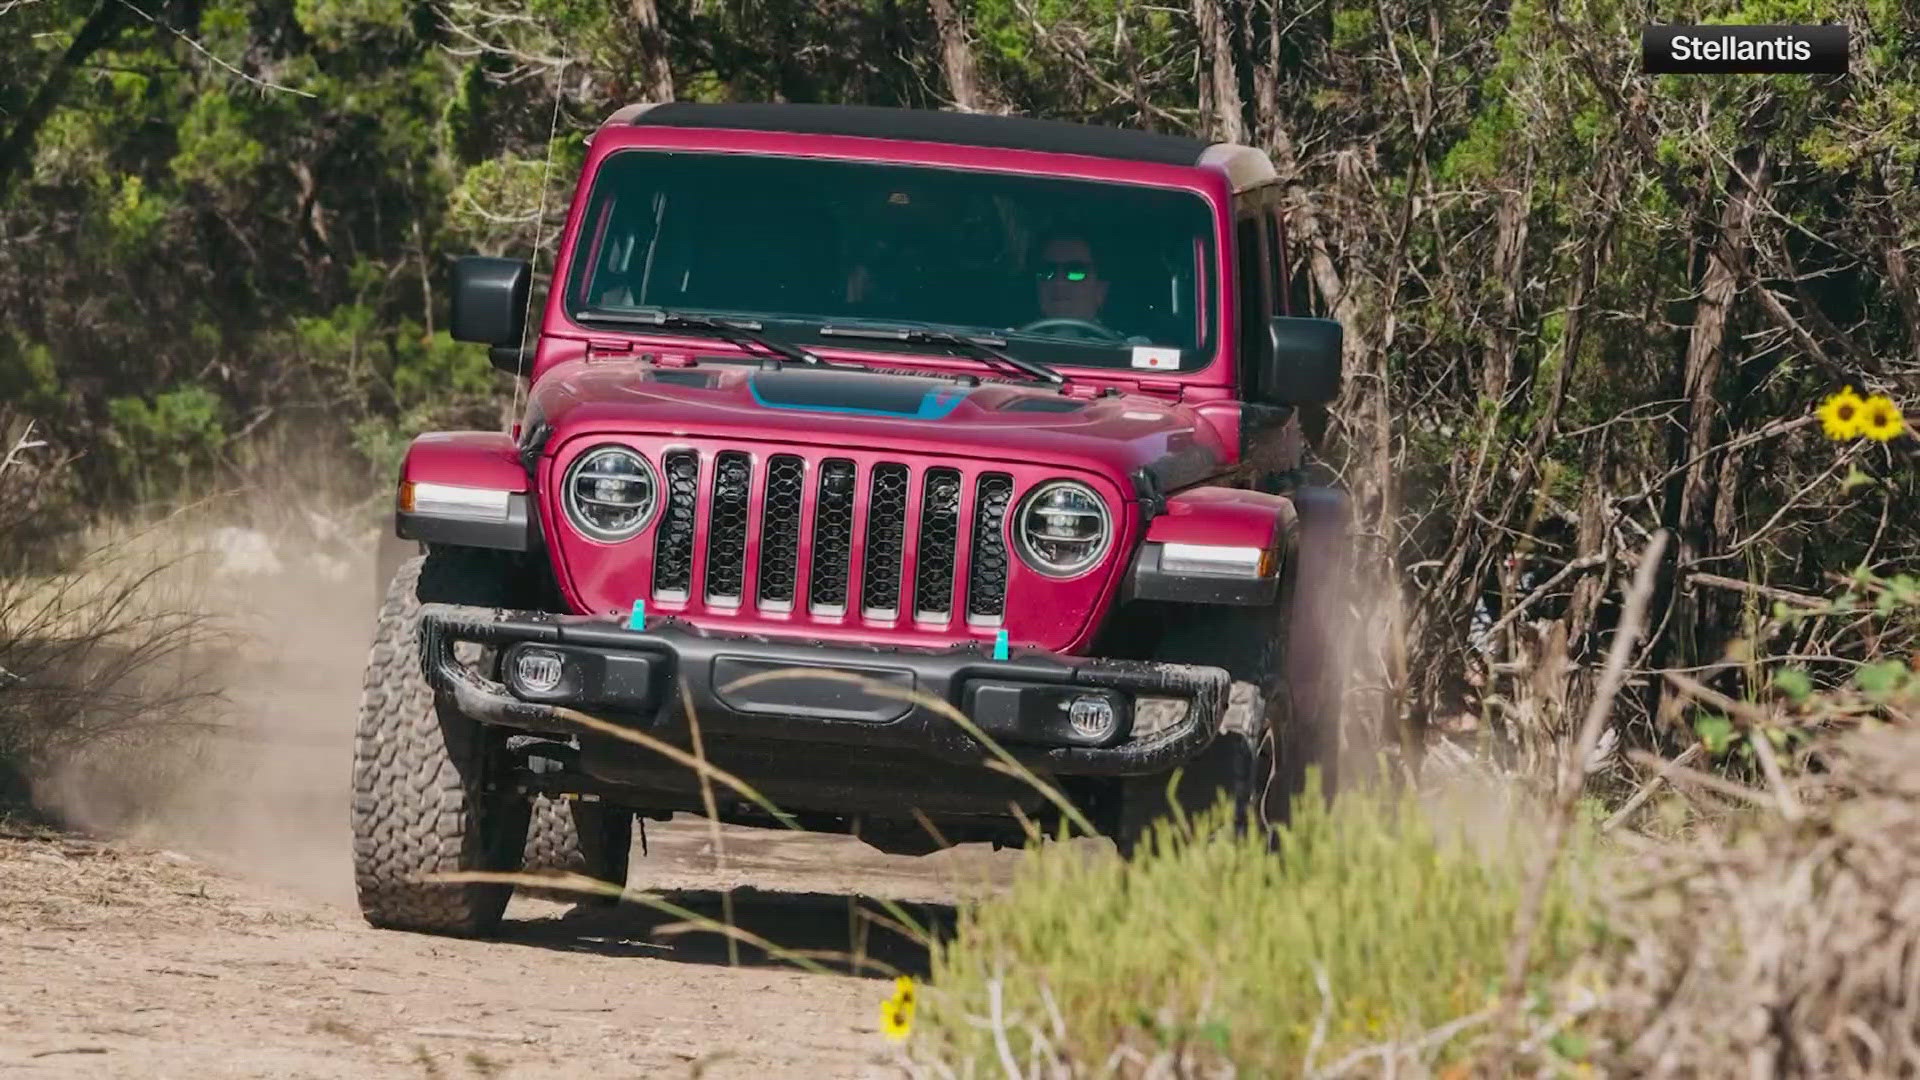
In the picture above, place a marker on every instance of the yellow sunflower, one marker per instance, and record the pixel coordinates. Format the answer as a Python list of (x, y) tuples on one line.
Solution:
[(1880, 418), (896, 1013), (1840, 415)]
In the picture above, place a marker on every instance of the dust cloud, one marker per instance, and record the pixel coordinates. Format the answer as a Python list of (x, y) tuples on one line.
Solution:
[(263, 791), (261, 784)]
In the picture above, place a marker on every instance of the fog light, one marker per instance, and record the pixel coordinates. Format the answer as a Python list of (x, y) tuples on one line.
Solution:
[(537, 670), (1092, 717)]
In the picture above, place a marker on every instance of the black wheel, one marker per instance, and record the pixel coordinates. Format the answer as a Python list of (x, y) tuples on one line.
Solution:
[(1319, 639), (388, 554), (1289, 665), (423, 798), (577, 837), (1237, 766)]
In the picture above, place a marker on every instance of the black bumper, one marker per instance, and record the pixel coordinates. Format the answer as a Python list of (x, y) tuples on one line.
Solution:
[(639, 678)]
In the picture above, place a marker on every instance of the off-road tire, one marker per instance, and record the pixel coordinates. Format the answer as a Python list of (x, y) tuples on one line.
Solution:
[(1319, 639), (1237, 766), (422, 801), (577, 837), (388, 555), (1288, 662)]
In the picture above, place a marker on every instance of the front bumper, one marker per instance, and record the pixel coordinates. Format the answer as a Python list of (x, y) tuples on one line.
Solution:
[(743, 687)]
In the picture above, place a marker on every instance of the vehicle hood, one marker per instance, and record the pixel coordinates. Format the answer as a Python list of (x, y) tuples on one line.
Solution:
[(1112, 433)]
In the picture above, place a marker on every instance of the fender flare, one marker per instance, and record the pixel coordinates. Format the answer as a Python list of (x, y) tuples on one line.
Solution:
[(466, 488), (1217, 545)]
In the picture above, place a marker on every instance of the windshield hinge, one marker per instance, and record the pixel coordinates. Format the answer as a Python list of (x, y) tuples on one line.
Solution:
[(1161, 386), (605, 347)]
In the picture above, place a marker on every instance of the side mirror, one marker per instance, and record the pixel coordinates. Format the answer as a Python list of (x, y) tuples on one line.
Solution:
[(490, 306), (1301, 365)]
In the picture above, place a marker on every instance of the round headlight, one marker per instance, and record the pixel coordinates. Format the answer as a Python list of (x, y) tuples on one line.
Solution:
[(610, 493), (1062, 528)]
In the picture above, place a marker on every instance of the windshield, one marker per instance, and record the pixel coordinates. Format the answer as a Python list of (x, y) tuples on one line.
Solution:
[(1065, 271)]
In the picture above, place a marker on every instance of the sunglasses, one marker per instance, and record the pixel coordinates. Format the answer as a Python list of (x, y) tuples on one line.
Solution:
[(1064, 271)]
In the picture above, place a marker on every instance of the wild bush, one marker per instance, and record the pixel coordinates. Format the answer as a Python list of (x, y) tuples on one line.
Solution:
[(107, 648), (1377, 920)]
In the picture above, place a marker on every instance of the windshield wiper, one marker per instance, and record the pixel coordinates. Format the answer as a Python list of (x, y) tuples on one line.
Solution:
[(737, 331), (980, 345)]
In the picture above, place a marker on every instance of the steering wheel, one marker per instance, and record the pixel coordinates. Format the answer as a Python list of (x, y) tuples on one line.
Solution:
[(1081, 328)]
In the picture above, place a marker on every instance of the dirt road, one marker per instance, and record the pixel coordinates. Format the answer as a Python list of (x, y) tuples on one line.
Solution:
[(126, 962), (219, 938)]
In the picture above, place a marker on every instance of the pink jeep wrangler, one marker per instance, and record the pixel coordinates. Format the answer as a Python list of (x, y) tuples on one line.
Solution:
[(836, 411)]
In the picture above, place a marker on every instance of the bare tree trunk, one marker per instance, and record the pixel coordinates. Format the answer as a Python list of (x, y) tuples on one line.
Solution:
[(16, 152), (956, 58), (1306, 229), (1900, 280), (1365, 409), (1266, 69), (426, 277), (1456, 586), (1590, 541), (1691, 511), (1509, 251), (656, 74), (1220, 81)]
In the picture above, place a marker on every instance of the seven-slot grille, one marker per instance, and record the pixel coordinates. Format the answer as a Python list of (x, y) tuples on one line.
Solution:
[(929, 537)]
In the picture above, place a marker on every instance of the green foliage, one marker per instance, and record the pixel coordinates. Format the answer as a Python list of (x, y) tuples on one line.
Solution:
[(28, 378), (1352, 25), (1020, 51), (338, 24), (496, 201), (1793, 682), (1715, 731), (1813, 700), (1882, 680), (162, 438), (382, 444), (435, 370), (216, 146), (1217, 945)]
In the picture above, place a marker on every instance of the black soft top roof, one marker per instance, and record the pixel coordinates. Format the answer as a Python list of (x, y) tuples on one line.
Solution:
[(926, 125)]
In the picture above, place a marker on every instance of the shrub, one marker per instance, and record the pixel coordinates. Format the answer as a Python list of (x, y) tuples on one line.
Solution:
[(1782, 938), (166, 438), (1375, 921), (1785, 945), (109, 649)]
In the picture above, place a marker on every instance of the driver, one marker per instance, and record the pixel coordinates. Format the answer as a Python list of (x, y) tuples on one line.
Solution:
[(1068, 276)]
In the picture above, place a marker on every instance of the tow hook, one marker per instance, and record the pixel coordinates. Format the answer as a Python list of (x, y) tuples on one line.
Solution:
[(543, 757)]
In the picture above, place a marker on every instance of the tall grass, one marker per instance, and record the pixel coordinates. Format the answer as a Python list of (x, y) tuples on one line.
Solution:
[(1372, 937), (1372, 929), (108, 671), (1374, 923)]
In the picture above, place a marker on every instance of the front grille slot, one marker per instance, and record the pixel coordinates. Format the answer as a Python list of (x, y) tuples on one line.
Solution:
[(727, 528), (886, 541), (939, 541), (733, 534), (780, 531), (832, 538), (987, 572), (673, 546)]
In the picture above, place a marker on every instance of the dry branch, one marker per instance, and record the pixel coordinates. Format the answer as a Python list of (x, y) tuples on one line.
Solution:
[(228, 67), (1675, 771), (1646, 790), (1633, 619), (1720, 581), (1794, 951)]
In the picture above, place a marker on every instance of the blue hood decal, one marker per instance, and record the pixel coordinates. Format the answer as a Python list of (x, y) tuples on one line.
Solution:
[(856, 394)]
